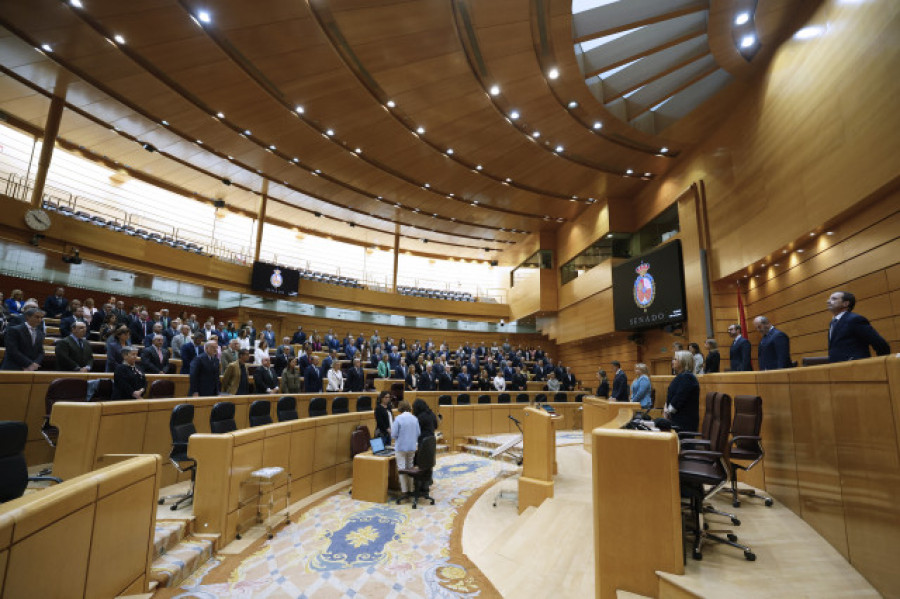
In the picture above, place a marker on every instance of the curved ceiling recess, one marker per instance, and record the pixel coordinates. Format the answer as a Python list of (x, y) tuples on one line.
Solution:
[(647, 61)]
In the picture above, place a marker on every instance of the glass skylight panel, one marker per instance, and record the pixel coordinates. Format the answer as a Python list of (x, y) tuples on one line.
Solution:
[(611, 72), (583, 5)]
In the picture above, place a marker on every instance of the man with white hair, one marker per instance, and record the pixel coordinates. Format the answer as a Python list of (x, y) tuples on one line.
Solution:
[(205, 372)]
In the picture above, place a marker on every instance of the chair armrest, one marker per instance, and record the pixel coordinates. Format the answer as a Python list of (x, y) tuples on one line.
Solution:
[(697, 453), (688, 434), (745, 438)]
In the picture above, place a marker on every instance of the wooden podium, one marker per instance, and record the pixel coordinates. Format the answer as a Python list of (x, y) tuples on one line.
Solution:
[(538, 459)]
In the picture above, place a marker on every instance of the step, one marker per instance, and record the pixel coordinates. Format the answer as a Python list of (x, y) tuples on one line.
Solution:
[(511, 456), (169, 533), (178, 563), (439, 449)]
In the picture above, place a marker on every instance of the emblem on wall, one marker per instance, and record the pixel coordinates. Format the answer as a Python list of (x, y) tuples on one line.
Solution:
[(276, 279), (644, 287)]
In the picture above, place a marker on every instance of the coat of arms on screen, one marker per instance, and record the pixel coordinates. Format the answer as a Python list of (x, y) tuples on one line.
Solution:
[(644, 287), (276, 279)]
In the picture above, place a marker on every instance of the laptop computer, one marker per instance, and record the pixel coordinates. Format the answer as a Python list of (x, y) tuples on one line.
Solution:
[(378, 448)]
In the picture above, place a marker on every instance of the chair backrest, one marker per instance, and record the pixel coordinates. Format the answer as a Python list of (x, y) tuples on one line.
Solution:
[(580, 397), (397, 390), (484, 398), (503, 398), (363, 403), (706, 426), (221, 419), (318, 407), (426, 456), (561, 396), (287, 409), (340, 405), (13, 470), (260, 412), (65, 389), (721, 423), (463, 399), (522, 398), (359, 440), (104, 390), (162, 388), (748, 417), (445, 400), (181, 425), (540, 398)]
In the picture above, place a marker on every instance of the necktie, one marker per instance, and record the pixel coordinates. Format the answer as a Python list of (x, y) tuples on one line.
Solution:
[(831, 328), (33, 335), (159, 353), (80, 343)]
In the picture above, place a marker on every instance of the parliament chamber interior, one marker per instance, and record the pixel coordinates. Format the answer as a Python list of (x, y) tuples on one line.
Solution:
[(479, 298)]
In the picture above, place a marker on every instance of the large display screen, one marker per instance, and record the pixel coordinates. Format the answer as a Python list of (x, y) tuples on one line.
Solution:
[(271, 278), (648, 291)]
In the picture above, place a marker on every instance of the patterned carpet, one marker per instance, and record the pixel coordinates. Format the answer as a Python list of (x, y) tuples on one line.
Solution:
[(345, 548)]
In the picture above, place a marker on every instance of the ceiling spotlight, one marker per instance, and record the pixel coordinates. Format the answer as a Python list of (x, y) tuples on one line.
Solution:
[(318, 171), (220, 115), (553, 73), (299, 109), (829, 232), (427, 185), (478, 167), (200, 141), (495, 90), (271, 147), (75, 3), (663, 150), (329, 132), (800, 251), (247, 132), (449, 151), (514, 114), (358, 150), (420, 130), (164, 123), (629, 172), (742, 18), (648, 174), (508, 180), (451, 195), (295, 160), (390, 103), (536, 134), (149, 147), (559, 149), (598, 125), (204, 17), (747, 41), (572, 104), (231, 158), (119, 39)]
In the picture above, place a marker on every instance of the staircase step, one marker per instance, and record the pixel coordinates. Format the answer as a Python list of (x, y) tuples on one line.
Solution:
[(177, 564), (168, 533), (442, 449), (511, 456)]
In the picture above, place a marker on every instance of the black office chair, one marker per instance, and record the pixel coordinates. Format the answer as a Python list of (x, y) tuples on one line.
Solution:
[(181, 425), (562, 396), (746, 444), (14, 477), (445, 400), (463, 399), (580, 397), (340, 405), (286, 409), (363, 403), (484, 398), (421, 472), (103, 391), (260, 412), (161, 389), (62, 389), (522, 398), (540, 398), (503, 398), (318, 406), (221, 419)]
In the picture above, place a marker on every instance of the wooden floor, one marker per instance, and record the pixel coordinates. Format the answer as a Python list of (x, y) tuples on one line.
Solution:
[(548, 551)]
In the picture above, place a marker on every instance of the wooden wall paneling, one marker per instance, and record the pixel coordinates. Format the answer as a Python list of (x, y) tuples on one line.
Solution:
[(593, 281), (247, 456), (780, 462), (818, 474), (869, 462), (301, 458), (574, 237), (463, 427)]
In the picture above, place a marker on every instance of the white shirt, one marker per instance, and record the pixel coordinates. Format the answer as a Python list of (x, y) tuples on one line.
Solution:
[(259, 354), (499, 383), (244, 343), (335, 380)]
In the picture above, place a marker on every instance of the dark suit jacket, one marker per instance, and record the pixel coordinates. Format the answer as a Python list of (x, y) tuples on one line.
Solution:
[(774, 350), (71, 356), (851, 337), (312, 380), (264, 379), (113, 354), (463, 381), (684, 396), (54, 307), (620, 387), (445, 383), (20, 351), (712, 362), (382, 421), (426, 381), (150, 360), (517, 383), (65, 325), (126, 381), (204, 376), (188, 353), (603, 389), (356, 380), (138, 334), (740, 356)]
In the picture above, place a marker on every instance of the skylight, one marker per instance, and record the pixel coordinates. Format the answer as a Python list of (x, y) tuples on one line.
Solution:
[(583, 5)]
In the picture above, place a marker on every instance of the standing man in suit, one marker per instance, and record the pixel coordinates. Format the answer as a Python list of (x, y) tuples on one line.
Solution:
[(128, 380), (70, 318), (299, 337), (157, 329), (426, 379), (73, 353), (155, 359), (620, 384), (312, 378), (235, 381), (230, 354), (55, 305), (264, 379), (189, 351), (205, 371), (740, 350), (463, 380), (25, 343), (774, 346), (850, 335), (356, 377), (141, 327)]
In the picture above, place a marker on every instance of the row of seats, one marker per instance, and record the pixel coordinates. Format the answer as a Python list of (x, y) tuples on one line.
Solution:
[(114, 225), (464, 399), (321, 277), (456, 296)]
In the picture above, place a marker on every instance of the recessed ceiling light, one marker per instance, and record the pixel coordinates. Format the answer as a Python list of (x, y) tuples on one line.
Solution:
[(663, 150), (420, 130), (220, 115), (449, 151), (299, 109), (247, 132), (75, 3), (427, 185), (204, 16), (747, 41), (598, 125), (318, 171), (164, 123), (119, 39), (508, 180), (329, 132), (553, 73), (200, 141), (808, 33), (231, 158), (559, 149), (295, 160), (495, 90), (784, 251), (514, 114), (742, 18), (536, 134), (358, 150), (46, 48), (776, 265), (390, 103), (629, 172), (572, 104), (812, 234), (800, 251), (829, 232), (451, 195), (271, 147), (478, 167)]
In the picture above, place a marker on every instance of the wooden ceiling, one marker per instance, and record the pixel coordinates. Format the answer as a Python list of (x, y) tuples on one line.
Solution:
[(366, 74)]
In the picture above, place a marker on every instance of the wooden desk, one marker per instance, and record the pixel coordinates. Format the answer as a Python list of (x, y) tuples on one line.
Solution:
[(372, 477)]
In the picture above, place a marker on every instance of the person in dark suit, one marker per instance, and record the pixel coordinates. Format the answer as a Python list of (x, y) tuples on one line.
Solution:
[(402, 370), (603, 387), (518, 381), (774, 346), (205, 372), (740, 350), (264, 379), (383, 417), (73, 353), (850, 335), (189, 351), (140, 328), (235, 381), (299, 337), (356, 377), (156, 329), (445, 382), (55, 305), (427, 381), (713, 358), (463, 380), (114, 345), (70, 318), (128, 380), (620, 384), (25, 343), (683, 397), (155, 359), (312, 378)]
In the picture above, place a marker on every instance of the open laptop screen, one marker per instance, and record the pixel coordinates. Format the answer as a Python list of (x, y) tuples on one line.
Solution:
[(377, 444)]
